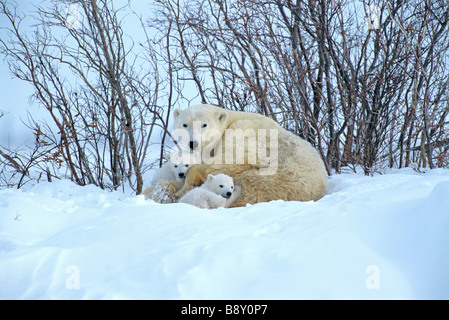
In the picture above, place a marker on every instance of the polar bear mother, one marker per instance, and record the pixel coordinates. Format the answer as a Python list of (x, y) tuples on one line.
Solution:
[(246, 146)]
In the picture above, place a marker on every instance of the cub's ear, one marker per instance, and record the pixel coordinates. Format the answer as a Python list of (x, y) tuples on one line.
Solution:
[(210, 177), (222, 116), (176, 113)]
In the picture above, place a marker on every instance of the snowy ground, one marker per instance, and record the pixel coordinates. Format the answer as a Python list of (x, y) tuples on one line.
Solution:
[(383, 237)]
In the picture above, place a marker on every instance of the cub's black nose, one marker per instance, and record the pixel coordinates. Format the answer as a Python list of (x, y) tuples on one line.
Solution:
[(181, 174), (229, 193)]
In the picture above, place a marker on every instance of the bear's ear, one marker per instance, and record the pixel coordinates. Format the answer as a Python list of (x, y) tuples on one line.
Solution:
[(222, 116), (176, 113), (210, 177)]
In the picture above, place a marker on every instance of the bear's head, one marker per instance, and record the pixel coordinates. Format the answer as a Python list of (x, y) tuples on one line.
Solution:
[(199, 126), (179, 170), (220, 184)]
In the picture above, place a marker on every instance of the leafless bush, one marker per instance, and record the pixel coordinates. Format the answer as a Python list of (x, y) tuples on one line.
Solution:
[(102, 106), (368, 92)]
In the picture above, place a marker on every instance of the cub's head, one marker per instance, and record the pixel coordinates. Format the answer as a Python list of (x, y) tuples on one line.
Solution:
[(199, 126), (220, 184), (179, 169)]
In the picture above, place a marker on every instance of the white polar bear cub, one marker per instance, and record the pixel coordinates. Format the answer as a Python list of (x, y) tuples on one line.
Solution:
[(217, 191), (172, 172)]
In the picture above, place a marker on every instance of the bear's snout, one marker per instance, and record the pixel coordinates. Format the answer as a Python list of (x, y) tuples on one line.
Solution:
[(181, 175), (227, 195)]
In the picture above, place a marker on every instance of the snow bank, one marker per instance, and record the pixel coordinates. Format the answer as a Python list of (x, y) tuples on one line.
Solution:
[(383, 237)]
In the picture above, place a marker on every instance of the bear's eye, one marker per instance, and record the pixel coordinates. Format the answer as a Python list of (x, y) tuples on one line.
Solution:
[(221, 186), (176, 165), (204, 125), (187, 165), (184, 125), (232, 187)]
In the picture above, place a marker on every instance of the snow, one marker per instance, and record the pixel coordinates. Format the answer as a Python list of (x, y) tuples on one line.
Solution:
[(381, 237)]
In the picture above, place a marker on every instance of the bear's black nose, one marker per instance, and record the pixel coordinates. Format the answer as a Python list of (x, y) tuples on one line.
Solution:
[(227, 195), (193, 145), (181, 174)]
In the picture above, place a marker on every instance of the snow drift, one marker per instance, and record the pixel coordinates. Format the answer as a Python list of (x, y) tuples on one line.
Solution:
[(382, 237)]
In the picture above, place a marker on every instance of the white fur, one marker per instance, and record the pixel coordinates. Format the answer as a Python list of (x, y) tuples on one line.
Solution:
[(217, 191)]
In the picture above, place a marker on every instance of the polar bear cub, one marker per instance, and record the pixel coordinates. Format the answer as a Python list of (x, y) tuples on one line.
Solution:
[(167, 180), (217, 191), (172, 172)]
